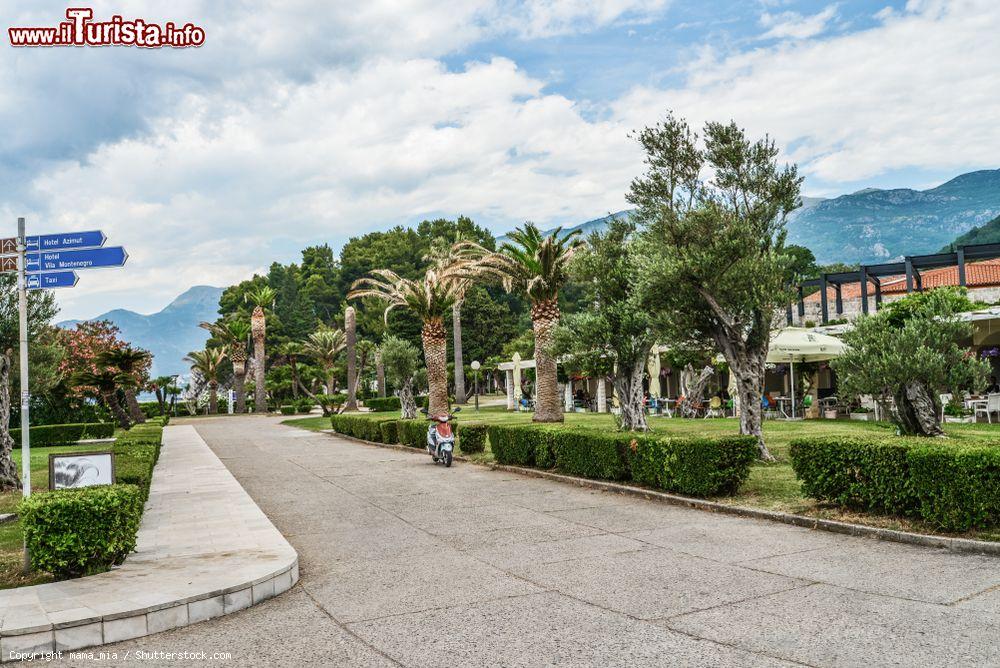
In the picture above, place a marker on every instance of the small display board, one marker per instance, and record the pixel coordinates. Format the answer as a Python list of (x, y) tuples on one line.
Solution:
[(73, 470)]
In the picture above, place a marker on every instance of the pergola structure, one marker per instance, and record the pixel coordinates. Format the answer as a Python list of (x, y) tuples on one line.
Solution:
[(871, 275)]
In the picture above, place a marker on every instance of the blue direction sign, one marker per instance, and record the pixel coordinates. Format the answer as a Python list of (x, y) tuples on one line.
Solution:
[(92, 258), (57, 279), (44, 242)]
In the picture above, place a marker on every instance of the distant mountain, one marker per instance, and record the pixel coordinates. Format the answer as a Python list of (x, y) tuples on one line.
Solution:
[(984, 234), (875, 225), (595, 225), (171, 333)]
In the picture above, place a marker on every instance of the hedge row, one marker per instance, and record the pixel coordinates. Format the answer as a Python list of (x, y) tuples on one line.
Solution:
[(74, 532), (693, 466), (65, 434), (954, 486), (470, 438), (383, 404)]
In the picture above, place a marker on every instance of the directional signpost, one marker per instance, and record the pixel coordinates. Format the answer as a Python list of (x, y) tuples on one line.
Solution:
[(44, 262)]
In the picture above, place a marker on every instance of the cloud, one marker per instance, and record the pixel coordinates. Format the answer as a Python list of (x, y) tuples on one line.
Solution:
[(918, 90), (792, 25)]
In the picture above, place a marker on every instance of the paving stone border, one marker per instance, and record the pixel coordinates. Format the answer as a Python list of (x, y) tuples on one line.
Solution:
[(204, 550), (834, 526)]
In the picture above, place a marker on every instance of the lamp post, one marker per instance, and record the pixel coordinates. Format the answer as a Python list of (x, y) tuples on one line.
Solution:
[(475, 374)]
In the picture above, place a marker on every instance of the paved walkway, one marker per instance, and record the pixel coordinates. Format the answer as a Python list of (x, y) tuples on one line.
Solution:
[(407, 563), (204, 549)]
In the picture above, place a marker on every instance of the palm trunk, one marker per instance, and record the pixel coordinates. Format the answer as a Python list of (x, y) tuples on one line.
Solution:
[(456, 326), (111, 401), (8, 470), (161, 400), (213, 398), (134, 409), (258, 325), (628, 386), (435, 343), (544, 319), (380, 376), (239, 385), (350, 330)]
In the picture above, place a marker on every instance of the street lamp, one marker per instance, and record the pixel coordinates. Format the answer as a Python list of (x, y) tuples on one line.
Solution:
[(475, 373)]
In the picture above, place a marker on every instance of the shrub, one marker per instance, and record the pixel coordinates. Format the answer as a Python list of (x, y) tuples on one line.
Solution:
[(287, 410), (471, 438), (591, 454), (72, 532), (382, 404), (64, 434), (389, 431), (412, 433), (863, 473), (955, 486), (693, 466), (514, 444), (358, 426)]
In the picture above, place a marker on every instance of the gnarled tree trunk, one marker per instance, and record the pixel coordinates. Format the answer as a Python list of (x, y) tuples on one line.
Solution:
[(8, 471), (628, 386), (380, 375), (915, 411), (350, 330), (693, 389), (134, 409), (747, 366), (544, 319), (258, 328), (407, 403), (456, 319), (435, 343)]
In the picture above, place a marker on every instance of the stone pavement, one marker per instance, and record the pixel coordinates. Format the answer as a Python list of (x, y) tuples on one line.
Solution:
[(407, 563), (204, 549)]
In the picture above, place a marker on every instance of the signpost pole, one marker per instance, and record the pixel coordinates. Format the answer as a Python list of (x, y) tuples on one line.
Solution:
[(22, 316)]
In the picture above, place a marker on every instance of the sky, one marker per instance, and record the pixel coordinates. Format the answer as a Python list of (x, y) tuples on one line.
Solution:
[(302, 122)]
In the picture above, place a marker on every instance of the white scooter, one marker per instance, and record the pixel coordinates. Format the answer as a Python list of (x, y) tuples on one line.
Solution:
[(440, 437)]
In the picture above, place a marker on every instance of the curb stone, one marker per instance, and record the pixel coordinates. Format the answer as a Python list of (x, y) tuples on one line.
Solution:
[(965, 545)]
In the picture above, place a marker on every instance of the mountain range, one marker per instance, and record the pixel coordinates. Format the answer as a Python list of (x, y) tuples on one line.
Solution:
[(874, 225), (169, 334)]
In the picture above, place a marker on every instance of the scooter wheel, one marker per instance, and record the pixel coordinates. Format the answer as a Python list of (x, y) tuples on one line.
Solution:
[(447, 459)]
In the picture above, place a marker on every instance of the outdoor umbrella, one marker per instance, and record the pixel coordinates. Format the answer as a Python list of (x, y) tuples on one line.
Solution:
[(795, 344)]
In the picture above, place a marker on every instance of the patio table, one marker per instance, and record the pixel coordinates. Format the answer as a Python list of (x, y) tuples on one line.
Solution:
[(782, 403)]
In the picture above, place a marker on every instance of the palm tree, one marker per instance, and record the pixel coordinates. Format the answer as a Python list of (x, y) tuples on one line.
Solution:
[(538, 267), (106, 383), (429, 298), (160, 386), (207, 362), (290, 352), (130, 362), (325, 345), (262, 297), (234, 334), (442, 253)]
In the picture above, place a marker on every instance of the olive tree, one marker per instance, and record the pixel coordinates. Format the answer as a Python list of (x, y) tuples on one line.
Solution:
[(908, 353), (401, 359), (613, 336), (715, 264)]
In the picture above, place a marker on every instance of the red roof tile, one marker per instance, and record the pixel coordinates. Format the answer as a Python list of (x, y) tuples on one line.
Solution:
[(977, 275)]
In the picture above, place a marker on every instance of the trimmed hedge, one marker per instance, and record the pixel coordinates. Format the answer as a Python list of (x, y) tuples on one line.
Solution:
[(73, 532), (383, 404), (65, 434), (955, 486), (390, 433), (471, 438), (357, 426), (692, 466), (287, 410), (412, 433)]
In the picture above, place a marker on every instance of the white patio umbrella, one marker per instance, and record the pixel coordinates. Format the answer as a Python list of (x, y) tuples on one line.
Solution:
[(795, 344)]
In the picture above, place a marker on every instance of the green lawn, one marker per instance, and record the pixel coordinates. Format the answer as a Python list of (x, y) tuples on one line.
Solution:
[(11, 540), (770, 486)]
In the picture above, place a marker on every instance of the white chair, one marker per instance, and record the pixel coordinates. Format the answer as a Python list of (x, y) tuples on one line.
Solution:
[(992, 406)]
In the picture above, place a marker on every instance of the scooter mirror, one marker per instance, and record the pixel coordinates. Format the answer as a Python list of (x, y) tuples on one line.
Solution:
[(424, 411), (457, 410)]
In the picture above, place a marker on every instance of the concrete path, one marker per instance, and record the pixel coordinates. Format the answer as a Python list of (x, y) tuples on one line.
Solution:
[(407, 563)]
